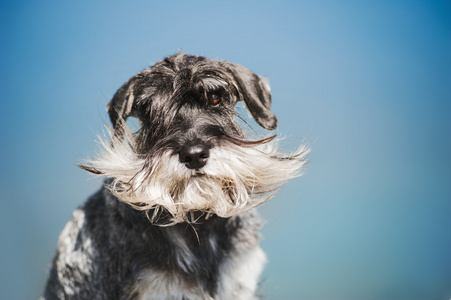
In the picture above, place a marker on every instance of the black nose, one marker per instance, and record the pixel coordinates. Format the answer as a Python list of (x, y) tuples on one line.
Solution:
[(194, 156)]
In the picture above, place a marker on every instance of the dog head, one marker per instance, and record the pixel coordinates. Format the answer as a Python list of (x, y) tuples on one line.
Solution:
[(190, 154)]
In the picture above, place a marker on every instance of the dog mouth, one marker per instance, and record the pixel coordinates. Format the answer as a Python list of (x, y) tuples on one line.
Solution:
[(198, 173)]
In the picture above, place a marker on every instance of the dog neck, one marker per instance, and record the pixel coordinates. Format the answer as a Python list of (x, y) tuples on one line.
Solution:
[(187, 248)]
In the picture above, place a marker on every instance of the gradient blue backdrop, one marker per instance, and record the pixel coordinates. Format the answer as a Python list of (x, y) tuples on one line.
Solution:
[(366, 83)]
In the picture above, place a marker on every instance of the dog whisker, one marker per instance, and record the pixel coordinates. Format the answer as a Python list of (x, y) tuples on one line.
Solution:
[(187, 164)]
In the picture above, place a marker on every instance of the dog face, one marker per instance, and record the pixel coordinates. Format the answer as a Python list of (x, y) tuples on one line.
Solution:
[(190, 154)]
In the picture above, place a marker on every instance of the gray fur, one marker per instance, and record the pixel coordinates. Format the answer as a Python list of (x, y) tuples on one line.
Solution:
[(175, 218)]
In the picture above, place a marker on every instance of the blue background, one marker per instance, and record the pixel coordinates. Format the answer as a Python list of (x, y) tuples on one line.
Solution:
[(366, 83)]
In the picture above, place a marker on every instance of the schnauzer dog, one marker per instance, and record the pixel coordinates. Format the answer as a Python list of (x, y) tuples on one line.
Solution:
[(175, 218)]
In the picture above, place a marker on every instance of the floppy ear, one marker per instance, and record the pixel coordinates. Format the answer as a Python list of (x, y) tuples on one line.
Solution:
[(255, 92), (121, 106)]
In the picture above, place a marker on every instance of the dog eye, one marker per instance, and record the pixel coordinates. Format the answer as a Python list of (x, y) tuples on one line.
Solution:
[(214, 99)]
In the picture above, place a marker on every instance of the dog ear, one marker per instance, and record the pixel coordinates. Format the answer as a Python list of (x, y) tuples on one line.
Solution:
[(255, 92), (121, 106)]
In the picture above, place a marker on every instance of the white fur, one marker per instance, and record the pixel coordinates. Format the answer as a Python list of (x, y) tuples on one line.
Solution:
[(235, 178), (238, 281), (239, 276), (212, 84), (164, 285), (72, 255)]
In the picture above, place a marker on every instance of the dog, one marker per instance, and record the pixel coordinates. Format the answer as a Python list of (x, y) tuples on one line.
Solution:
[(175, 217)]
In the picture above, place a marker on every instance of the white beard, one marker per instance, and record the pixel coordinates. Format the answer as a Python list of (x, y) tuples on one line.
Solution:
[(235, 178)]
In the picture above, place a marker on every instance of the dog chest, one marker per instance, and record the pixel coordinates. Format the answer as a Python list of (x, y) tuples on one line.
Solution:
[(237, 280)]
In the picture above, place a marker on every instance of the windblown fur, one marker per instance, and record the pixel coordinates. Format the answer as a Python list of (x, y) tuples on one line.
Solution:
[(235, 180), (175, 219)]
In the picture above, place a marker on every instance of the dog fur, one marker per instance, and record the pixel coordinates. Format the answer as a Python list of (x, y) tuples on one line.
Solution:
[(175, 218)]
